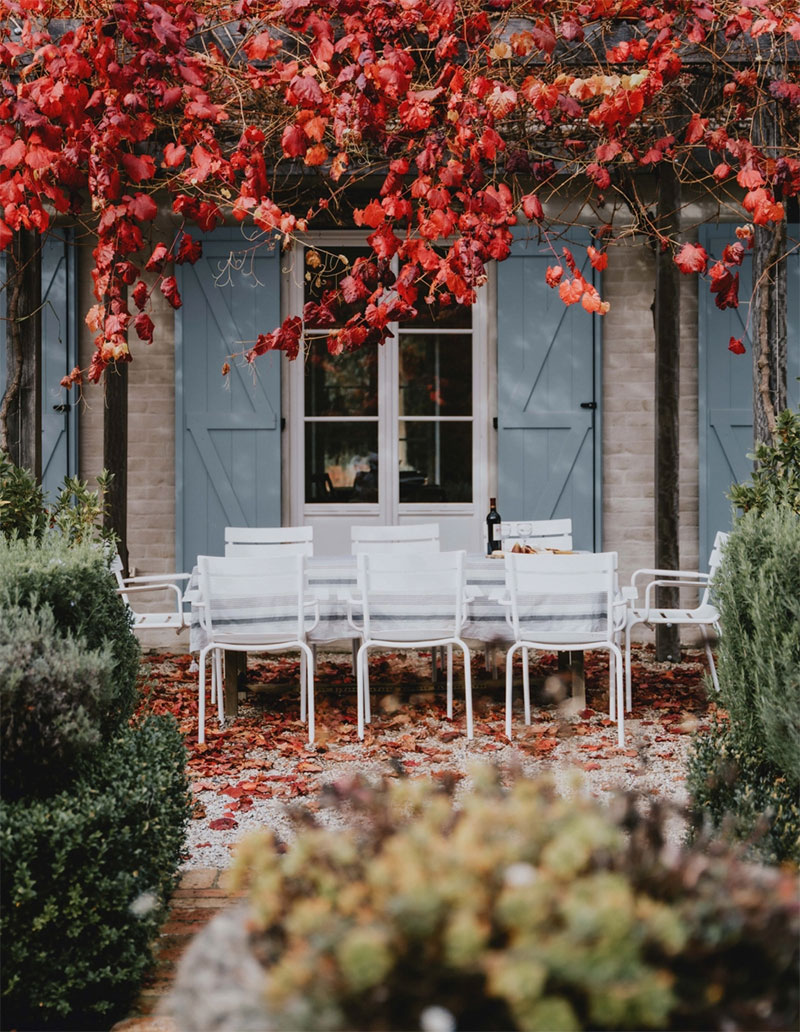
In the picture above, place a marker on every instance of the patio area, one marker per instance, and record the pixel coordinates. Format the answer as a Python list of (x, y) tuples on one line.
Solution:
[(259, 769)]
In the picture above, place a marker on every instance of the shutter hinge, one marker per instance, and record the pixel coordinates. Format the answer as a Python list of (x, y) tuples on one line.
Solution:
[(589, 404), (62, 408), (494, 422)]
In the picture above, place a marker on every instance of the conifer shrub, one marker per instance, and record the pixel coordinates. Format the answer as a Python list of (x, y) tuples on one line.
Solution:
[(86, 876), (517, 910), (744, 773), (55, 698), (73, 580)]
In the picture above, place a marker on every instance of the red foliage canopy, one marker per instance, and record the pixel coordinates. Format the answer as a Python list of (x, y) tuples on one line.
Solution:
[(454, 114)]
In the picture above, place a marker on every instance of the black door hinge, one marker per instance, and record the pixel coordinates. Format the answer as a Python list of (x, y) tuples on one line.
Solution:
[(62, 408), (589, 404), (283, 422), (494, 422)]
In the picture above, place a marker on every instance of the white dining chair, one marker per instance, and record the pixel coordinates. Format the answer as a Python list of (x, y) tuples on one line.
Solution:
[(266, 541), (538, 533), (409, 602), (562, 602), (255, 604), (703, 616), (415, 537), (144, 620)]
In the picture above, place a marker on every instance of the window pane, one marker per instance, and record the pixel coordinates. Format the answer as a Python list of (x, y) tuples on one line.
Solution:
[(435, 462), (341, 385), (342, 462), (456, 317), (324, 268), (435, 374)]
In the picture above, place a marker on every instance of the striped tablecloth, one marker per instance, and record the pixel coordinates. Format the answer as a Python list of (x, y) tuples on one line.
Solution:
[(332, 578)]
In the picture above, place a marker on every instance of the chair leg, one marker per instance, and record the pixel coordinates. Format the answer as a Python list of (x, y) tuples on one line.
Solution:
[(509, 682), (307, 686), (217, 661), (201, 697), (620, 693), (449, 682), (434, 664), (467, 684), (367, 703), (303, 678), (354, 642), (360, 687), (710, 655), (526, 685)]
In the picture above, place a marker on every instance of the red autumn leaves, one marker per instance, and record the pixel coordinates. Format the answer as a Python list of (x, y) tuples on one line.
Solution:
[(462, 117)]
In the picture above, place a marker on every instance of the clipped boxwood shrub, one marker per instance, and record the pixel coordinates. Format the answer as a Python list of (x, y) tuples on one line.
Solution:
[(86, 875), (741, 793), (74, 581), (744, 773), (519, 910), (55, 696)]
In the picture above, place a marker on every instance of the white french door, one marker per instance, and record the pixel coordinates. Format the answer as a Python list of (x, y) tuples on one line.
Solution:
[(391, 434)]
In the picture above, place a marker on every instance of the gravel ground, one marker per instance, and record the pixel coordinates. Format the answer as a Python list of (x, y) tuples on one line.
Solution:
[(259, 772)]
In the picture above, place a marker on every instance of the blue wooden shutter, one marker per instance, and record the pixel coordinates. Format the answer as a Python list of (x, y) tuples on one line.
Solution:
[(548, 376), (59, 356), (228, 468), (725, 384)]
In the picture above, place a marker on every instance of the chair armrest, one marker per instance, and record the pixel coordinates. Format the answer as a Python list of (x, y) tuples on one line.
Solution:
[(628, 593), (315, 603), (151, 578), (668, 584), (352, 602), (668, 573), (139, 588)]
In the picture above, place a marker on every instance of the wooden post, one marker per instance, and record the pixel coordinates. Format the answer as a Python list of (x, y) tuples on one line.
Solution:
[(666, 321), (768, 314), (21, 409), (115, 453)]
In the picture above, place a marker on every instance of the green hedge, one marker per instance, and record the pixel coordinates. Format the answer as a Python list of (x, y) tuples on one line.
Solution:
[(746, 770), (55, 698), (74, 581), (86, 875)]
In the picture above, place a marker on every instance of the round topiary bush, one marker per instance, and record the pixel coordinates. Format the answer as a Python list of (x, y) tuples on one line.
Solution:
[(55, 698), (75, 583), (86, 876), (518, 910)]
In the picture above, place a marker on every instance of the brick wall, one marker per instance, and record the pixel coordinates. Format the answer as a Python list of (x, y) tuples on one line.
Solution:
[(629, 413), (151, 445)]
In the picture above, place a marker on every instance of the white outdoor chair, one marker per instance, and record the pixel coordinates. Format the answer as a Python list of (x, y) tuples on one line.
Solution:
[(704, 615), (267, 541), (417, 537), (394, 539), (254, 604), (563, 602), (410, 603), (539, 533), (152, 621)]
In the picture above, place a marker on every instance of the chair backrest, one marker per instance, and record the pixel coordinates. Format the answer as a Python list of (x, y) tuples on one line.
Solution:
[(539, 533), (116, 568), (714, 561), (561, 598), (253, 596), (267, 541), (411, 599), (417, 537)]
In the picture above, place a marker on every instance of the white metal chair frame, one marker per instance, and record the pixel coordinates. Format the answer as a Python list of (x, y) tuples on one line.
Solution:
[(703, 616), (538, 533), (267, 541), (396, 539), (400, 568), (598, 572), (263, 571), (175, 619)]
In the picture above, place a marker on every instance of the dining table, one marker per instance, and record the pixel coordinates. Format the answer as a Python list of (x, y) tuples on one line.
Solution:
[(331, 580)]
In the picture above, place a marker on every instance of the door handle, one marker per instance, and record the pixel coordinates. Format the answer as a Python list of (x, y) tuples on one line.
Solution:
[(589, 404), (62, 408)]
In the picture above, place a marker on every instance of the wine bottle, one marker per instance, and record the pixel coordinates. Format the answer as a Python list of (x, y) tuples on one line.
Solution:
[(493, 521)]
